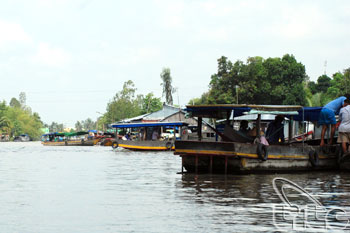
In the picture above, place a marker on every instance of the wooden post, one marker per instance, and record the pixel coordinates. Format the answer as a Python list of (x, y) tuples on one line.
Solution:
[(211, 164), (290, 129), (228, 114), (258, 124), (199, 128), (225, 165), (196, 164)]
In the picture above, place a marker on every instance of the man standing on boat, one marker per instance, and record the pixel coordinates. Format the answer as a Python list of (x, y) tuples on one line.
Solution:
[(327, 116), (275, 131), (344, 127)]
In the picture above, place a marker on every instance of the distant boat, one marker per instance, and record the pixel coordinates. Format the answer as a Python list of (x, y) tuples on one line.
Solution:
[(67, 139), (22, 138), (149, 136)]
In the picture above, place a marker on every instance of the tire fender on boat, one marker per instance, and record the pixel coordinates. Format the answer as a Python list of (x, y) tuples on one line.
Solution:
[(115, 145), (65, 143), (169, 145), (313, 158), (82, 141), (262, 152)]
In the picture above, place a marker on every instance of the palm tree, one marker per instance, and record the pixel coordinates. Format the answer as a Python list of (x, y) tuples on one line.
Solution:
[(168, 90)]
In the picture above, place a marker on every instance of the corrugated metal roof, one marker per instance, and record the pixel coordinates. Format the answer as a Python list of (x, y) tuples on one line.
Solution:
[(163, 113)]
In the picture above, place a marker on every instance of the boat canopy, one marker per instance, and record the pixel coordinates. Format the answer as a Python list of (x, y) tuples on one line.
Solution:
[(224, 111), (65, 134), (148, 124)]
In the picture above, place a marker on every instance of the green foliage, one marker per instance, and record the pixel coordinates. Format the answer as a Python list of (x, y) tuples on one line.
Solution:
[(15, 103), (17, 119), (150, 103), (56, 127), (259, 81), (326, 89), (124, 104), (198, 101)]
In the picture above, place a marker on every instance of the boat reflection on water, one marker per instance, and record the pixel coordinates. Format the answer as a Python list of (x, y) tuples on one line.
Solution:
[(250, 200)]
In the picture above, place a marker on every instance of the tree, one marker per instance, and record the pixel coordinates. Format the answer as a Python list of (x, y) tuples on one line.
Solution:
[(313, 87), (168, 90), (15, 103), (22, 99), (78, 126), (258, 81), (150, 104), (124, 104), (323, 83), (198, 101), (88, 124)]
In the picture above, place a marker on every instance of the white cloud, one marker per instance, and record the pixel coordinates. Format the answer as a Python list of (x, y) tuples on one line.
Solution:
[(51, 56), (172, 13), (214, 8), (138, 55), (51, 3), (12, 33)]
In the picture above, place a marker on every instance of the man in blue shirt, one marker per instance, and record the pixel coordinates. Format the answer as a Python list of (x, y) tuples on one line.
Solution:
[(327, 116)]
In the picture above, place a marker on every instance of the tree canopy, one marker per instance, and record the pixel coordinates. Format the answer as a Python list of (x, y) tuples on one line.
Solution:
[(126, 104), (17, 119), (258, 81)]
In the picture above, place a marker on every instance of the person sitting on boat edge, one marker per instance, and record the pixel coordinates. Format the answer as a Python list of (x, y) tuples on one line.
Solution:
[(327, 117), (344, 127), (275, 131)]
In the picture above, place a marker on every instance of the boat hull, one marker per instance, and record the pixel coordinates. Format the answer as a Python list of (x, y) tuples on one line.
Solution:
[(69, 143), (233, 157), (146, 145)]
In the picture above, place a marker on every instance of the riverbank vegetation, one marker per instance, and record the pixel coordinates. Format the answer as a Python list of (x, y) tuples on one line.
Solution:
[(271, 81), (17, 118)]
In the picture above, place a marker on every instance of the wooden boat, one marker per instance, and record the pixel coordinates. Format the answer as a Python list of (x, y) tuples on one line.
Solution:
[(148, 136), (67, 139), (104, 140), (237, 154)]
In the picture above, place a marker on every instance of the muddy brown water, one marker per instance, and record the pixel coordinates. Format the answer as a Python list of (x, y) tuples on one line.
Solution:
[(98, 189)]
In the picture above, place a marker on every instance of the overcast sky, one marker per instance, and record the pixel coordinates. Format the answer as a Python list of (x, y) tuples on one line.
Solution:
[(71, 56)]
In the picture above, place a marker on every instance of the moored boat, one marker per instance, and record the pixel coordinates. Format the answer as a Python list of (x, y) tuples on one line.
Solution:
[(149, 136), (237, 153), (67, 139)]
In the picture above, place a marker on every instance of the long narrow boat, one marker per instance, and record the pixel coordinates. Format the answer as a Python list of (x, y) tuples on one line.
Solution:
[(236, 154), (67, 139), (149, 136)]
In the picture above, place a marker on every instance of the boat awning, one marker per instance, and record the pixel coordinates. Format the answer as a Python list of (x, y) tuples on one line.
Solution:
[(62, 134), (222, 111), (148, 124), (308, 114)]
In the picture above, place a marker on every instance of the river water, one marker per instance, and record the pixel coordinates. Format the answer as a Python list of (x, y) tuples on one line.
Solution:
[(97, 189)]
